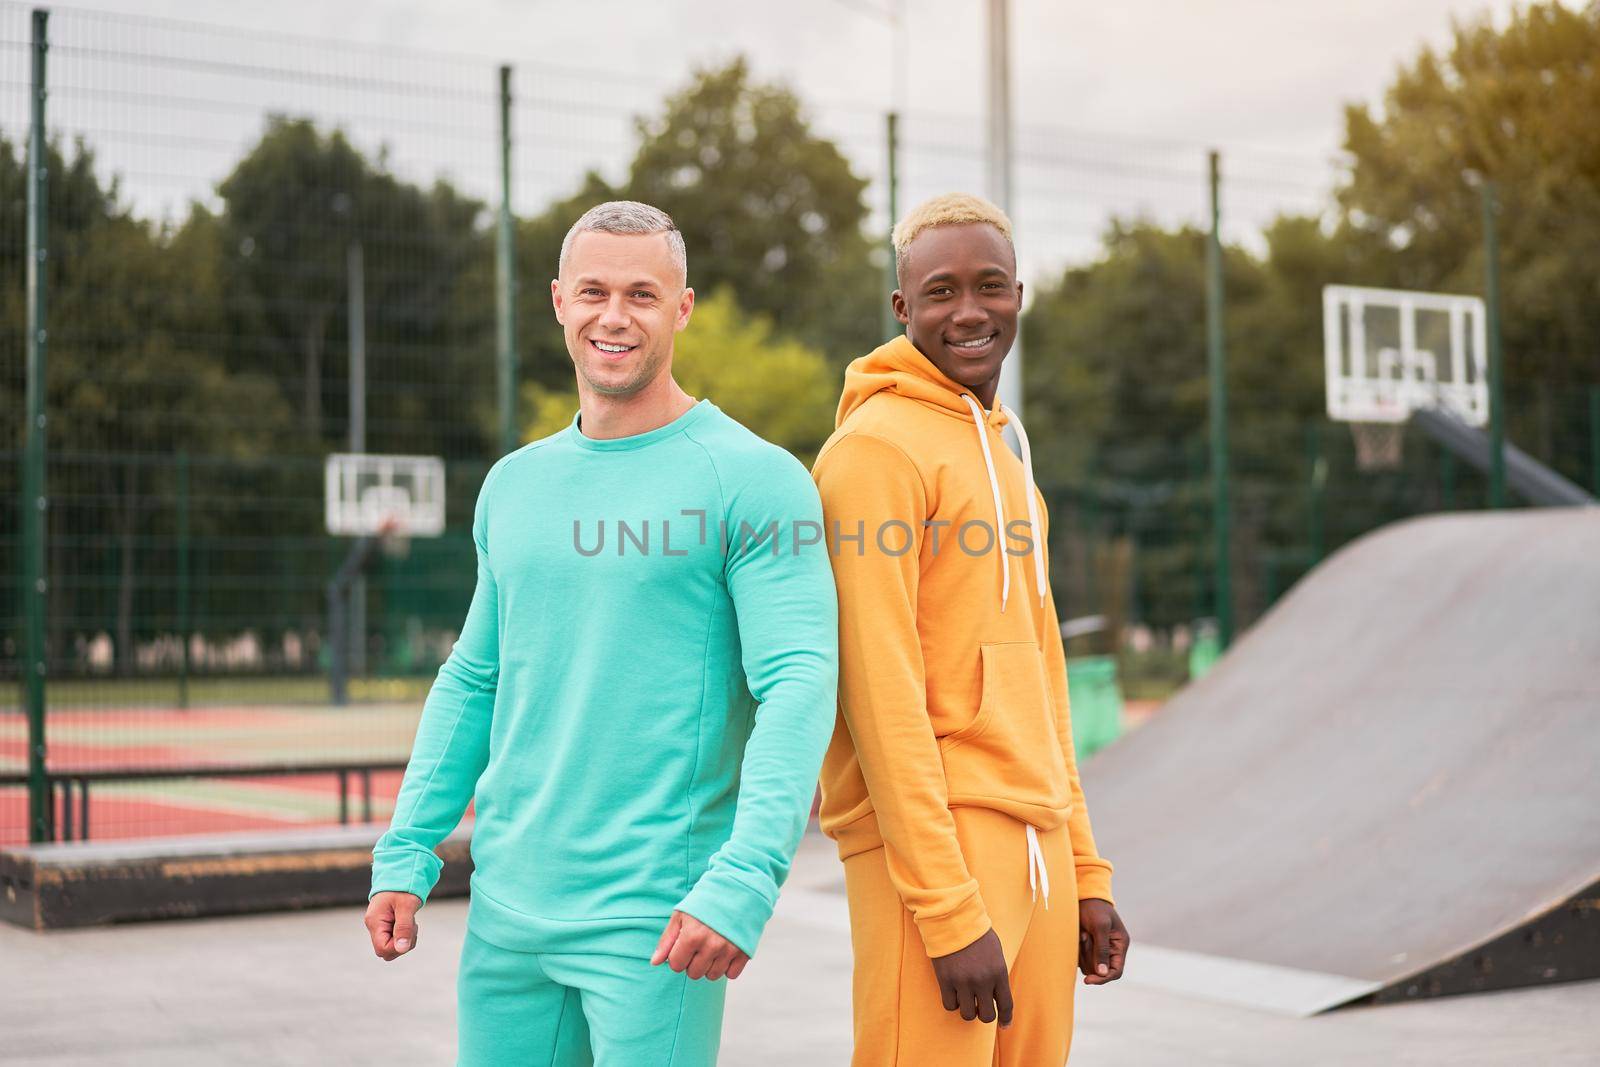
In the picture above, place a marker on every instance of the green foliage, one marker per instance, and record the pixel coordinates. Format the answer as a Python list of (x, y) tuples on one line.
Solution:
[(294, 206), (1116, 358), (767, 209), (778, 387), (1516, 105)]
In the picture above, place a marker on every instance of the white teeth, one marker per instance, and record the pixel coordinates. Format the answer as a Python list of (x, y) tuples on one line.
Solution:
[(602, 346), (973, 344)]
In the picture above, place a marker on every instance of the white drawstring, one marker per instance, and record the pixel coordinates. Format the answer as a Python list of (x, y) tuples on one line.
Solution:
[(999, 508), (1034, 528), (1033, 507), (1038, 873)]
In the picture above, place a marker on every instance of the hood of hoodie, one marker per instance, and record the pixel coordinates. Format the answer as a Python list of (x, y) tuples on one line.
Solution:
[(952, 674), (899, 367)]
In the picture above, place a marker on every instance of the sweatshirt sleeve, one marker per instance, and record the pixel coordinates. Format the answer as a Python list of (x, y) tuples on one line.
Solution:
[(452, 742), (868, 484), (782, 591), (1094, 872)]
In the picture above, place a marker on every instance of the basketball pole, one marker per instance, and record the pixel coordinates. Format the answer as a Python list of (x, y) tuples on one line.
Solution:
[(1497, 426), (1216, 359), (356, 305), (506, 281)]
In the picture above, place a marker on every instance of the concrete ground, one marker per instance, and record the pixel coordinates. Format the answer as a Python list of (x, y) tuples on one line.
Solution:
[(305, 989)]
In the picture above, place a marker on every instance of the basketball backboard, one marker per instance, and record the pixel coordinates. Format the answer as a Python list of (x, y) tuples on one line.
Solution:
[(1390, 352), (364, 491)]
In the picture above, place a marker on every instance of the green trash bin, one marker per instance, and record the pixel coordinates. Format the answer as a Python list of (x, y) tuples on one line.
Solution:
[(1205, 651), (1096, 703)]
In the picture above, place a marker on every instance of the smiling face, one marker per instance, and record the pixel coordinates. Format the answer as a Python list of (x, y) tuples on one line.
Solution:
[(620, 301), (959, 298)]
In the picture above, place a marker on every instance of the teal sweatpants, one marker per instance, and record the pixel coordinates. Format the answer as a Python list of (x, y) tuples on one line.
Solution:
[(539, 1009)]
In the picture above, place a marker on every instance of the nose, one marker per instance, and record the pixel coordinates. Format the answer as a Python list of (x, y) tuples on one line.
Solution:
[(615, 316), (968, 312)]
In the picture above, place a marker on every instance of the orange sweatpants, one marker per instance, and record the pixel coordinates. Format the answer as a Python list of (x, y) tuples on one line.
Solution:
[(900, 1019)]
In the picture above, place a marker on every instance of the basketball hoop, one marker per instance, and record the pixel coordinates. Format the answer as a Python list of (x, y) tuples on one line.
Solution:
[(394, 539), (1391, 352), (1378, 444)]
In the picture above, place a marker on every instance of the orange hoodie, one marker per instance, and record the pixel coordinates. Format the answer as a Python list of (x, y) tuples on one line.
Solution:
[(952, 676)]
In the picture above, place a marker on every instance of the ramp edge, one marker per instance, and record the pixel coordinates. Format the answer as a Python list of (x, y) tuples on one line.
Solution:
[(1242, 983), (1558, 944)]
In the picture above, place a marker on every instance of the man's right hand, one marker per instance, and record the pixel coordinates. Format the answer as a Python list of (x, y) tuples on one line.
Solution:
[(392, 922), (974, 981)]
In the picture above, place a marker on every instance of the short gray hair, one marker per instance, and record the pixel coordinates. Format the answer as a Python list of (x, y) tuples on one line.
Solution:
[(627, 217)]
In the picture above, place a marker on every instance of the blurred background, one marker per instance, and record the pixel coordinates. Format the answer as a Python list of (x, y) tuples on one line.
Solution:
[(266, 246)]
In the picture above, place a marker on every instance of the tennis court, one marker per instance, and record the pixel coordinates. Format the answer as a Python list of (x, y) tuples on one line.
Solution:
[(133, 737)]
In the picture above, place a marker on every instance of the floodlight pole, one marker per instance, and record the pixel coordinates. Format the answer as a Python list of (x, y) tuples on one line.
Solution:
[(999, 177), (34, 498), (1497, 426), (506, 279), (1216, 360)]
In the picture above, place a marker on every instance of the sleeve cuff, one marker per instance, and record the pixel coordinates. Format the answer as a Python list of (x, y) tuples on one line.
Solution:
[(729, 906), (405, 871), (1094, 882), (954, 930)]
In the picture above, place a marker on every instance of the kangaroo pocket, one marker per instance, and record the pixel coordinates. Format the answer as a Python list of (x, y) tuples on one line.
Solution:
[(1009, 756)]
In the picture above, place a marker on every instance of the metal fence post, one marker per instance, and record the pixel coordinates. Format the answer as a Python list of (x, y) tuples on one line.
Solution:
[(1447, 476), (506, 277), (34, 498), (1594, 438), (183, 578), (1216, 358), (1497, 414), (891, 325), (1317, 469)]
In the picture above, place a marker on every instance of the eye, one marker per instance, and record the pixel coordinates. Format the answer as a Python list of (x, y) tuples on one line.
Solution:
[(590, 291), (643, 294), (942, 290)]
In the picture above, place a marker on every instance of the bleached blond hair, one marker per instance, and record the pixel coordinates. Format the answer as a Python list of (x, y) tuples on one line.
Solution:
[(951, 209)]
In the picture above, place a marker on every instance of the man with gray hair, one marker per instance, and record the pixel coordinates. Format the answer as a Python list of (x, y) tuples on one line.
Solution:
[(639, 719)]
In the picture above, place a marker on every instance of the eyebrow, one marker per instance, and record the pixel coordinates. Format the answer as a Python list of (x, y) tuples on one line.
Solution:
[(984, 272), (641, 284)]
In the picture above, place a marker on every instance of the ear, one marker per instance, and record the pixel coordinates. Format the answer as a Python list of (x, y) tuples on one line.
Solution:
[(1019, 296), (555, 298), (902, 313), (685, 307)]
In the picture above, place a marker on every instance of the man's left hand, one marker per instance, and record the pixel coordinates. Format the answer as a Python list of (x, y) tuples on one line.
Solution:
[(689, 945), (1102, 942)]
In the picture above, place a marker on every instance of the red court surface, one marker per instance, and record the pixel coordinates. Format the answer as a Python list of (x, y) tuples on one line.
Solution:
[(143, 737)]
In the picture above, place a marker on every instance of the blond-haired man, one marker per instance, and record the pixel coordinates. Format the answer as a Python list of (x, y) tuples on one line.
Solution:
[(951, 785)]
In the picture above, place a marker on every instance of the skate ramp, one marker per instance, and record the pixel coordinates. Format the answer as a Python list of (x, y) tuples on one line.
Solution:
[(1388, 788)]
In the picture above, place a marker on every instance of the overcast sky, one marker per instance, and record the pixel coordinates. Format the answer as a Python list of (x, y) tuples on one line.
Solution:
[(1115, 103)]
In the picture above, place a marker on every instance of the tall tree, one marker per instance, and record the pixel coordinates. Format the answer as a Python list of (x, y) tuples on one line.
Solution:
[(132, 377), (766, 205), (1517, 105), (294, 208), (768, 208)]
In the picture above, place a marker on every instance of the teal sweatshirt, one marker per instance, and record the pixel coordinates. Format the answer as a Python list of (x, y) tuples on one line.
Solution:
[(640, 696)]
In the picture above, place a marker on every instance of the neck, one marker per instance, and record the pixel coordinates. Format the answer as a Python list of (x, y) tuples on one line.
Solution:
[(985, 392), (606, 417)]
